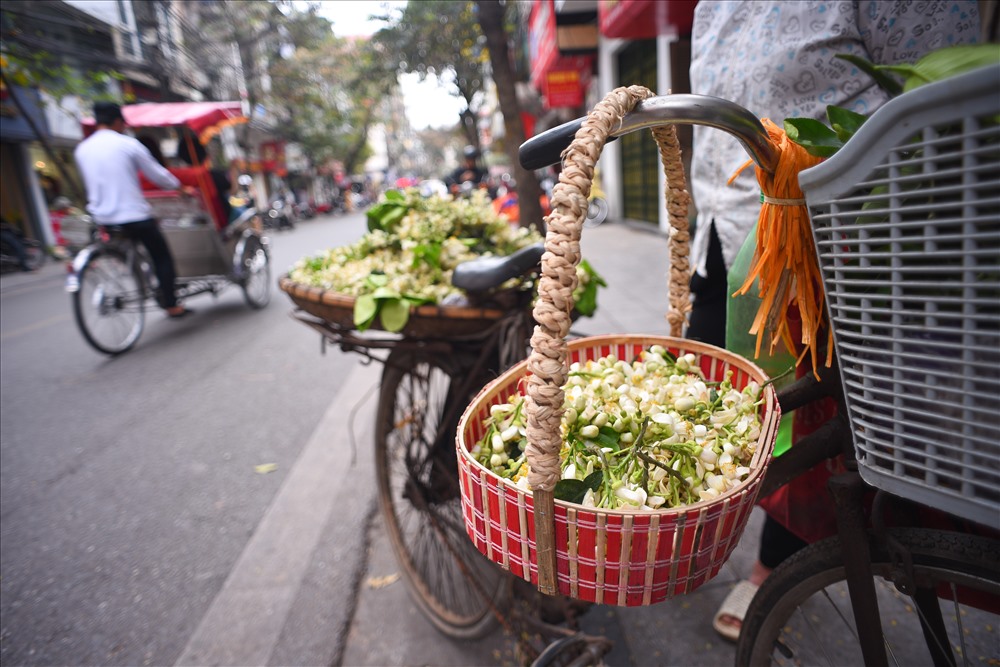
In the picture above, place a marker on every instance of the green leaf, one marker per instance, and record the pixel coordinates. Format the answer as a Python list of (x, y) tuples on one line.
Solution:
[(594, 480), (365, 309), (428, 253), (608, 437), (573, 490), (385, 215), (395, 313), (813, 135), (884, 81), (586, 298), (844, 121), (394, 195), (417, 300), (570, 490), (945, 63), (385, 293), (377, 279)]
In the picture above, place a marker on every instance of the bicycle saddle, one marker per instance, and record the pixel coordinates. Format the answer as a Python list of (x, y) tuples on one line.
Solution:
[(486, 273)]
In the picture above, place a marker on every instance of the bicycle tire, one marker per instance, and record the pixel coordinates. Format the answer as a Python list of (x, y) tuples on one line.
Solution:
[(256, 273), (811, 585), (455, 586), (108, 304)]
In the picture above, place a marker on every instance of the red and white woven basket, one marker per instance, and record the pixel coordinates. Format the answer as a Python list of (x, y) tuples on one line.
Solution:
[(617, 557)]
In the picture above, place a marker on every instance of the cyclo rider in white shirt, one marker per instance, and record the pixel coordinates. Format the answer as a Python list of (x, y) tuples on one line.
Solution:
[(110, 162)]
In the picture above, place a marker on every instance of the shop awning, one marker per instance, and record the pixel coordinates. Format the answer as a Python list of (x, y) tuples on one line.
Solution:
[(644, 19), (206, 119)]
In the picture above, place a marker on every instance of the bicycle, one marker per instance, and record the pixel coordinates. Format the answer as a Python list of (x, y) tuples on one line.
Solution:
[(430, 374), (928, 199), (429, 378)]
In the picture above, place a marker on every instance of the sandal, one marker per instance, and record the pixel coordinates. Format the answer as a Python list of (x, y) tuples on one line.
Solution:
[(177, 314), (735, 607)]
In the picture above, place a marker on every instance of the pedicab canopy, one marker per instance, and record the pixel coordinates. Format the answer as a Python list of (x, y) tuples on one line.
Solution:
[(206, 119)]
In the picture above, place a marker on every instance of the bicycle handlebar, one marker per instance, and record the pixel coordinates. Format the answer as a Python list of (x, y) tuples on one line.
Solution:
[(547, 147)]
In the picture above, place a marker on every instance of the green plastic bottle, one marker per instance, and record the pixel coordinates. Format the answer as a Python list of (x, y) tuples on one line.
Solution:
[(740, 314)]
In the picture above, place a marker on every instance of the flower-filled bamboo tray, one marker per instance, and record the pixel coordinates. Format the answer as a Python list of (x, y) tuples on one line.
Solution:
[(427, 321)]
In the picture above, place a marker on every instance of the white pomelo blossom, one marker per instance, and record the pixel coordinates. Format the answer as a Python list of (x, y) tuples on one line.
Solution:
[(649, 434)]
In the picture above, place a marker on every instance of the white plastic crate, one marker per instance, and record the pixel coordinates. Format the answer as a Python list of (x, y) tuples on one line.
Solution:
[(906, 220)]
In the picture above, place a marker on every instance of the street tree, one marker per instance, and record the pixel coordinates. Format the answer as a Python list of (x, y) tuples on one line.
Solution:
[(492, 20), (321, 89), (442, 38)]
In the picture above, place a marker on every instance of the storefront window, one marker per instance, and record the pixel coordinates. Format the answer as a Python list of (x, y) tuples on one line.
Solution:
[(51, 178), (640, 157), (13, 207)]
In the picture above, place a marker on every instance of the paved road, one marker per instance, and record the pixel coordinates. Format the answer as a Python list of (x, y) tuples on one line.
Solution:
[(129, 491)]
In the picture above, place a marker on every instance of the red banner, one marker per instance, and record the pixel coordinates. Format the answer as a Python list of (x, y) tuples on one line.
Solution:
[(272, 156), (543, 47)]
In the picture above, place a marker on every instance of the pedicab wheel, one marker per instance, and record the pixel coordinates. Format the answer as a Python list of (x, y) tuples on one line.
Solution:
[(802, 613), (256, 271), (108, 305), (450, 581)]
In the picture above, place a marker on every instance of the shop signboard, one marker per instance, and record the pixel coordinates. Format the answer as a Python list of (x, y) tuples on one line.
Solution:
[(563, 88)]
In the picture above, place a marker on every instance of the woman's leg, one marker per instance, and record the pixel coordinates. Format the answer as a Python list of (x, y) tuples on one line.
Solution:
[(707, 322)]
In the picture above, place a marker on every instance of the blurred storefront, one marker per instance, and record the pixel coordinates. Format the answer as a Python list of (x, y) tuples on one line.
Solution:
[(562, 49), (22, 199), (646, 43), (582, 49)]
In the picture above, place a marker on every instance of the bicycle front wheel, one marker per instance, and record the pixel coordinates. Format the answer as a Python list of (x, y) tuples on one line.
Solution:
[(108, 305), (256, 273), (451, 582), (802, 613)]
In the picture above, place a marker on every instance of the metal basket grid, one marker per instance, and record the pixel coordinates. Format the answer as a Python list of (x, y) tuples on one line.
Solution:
[(907, 228)]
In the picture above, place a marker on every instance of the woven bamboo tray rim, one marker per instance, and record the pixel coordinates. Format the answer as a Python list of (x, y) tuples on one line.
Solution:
[(323, 296), (757, 464)]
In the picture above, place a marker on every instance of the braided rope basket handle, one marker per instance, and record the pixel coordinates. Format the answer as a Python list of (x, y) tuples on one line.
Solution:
[(547, 364)]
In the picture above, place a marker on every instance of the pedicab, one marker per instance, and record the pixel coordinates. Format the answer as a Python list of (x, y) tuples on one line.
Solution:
[(113, 283)]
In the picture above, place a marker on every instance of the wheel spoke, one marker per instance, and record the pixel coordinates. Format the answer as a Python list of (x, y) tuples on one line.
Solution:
[(795, 613), (109, 303), (419, 496)]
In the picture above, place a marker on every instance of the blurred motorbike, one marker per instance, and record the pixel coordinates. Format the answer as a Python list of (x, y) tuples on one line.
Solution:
[(18, 251), (279, 216)]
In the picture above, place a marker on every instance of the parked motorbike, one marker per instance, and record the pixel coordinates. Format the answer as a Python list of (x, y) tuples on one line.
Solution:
[(279, 216), (18, 251), (305, 210)]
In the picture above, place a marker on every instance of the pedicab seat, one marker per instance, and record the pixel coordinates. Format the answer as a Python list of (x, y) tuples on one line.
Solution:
[(191, 225)]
